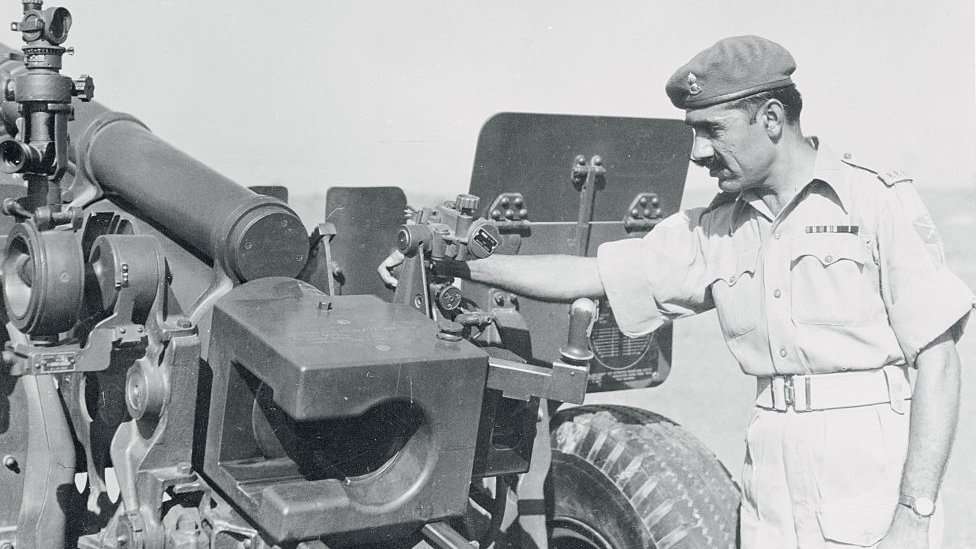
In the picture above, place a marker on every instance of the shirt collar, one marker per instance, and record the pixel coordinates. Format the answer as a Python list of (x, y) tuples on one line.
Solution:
[(828, 169)]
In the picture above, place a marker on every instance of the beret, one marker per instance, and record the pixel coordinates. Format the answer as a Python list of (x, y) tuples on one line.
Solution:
[(730, 69)]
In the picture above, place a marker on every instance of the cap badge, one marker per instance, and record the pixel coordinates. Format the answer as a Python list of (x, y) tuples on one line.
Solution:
[(693, 87)]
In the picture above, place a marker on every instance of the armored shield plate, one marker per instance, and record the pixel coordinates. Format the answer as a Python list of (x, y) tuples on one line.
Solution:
[(642, 167), (366, 220)]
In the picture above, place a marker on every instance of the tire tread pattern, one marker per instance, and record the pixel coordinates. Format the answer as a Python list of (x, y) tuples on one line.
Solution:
[(683, 495)]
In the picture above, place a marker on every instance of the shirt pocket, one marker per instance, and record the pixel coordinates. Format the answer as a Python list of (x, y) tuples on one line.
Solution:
[(834, 280), (735, 290)]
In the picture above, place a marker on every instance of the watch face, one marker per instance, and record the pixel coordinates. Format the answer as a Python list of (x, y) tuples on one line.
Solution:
[(923, 506)]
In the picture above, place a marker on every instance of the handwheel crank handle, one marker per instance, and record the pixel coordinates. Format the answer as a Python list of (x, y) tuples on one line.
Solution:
[(577, 349)]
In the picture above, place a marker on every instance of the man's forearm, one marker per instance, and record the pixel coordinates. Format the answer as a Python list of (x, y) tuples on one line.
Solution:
[(935, 412), (545, 277)]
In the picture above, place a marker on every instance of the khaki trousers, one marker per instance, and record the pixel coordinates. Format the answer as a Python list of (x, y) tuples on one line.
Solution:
[(825, 479)]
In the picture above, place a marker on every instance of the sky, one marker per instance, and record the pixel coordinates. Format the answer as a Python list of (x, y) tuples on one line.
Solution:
[(311, 94)]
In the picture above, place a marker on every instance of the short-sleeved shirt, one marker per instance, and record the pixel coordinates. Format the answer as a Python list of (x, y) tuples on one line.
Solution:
[(850, 275)]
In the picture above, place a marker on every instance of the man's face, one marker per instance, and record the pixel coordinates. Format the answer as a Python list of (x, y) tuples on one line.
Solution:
[(735, 152)]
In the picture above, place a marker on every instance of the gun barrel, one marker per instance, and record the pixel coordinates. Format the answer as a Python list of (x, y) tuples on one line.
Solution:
[(251, 236)]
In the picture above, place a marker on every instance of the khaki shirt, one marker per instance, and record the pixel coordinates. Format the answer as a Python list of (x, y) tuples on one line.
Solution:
[(849, 276)]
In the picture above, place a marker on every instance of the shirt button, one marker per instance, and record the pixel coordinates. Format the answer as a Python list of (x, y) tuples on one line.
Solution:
[(782, 352), (731, 279), (777, 294), (778, 236), (829, 259)]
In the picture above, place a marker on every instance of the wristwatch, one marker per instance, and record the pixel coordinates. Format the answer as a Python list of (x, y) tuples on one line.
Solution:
[(922, 506)]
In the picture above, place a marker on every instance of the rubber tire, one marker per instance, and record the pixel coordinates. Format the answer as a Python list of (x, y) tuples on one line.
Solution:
[(625, 478)]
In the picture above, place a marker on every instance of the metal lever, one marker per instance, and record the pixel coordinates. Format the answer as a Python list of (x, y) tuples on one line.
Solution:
[(581, 314), (565, 381), (585, 178)]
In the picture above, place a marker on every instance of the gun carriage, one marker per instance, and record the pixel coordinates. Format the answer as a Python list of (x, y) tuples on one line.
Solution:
[(245, 384)]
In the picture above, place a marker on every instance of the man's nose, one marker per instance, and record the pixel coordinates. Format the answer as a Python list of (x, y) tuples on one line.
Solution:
[(701, 151)]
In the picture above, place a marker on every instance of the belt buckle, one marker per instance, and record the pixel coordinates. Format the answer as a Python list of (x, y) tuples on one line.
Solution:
[(789, 393)]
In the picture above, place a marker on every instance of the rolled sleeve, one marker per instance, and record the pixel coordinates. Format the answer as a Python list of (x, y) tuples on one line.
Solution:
[(923, 298), (657, 278), (939, 302), (628, 287)]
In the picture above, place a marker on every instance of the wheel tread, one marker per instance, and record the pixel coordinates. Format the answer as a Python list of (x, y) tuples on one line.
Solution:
[(684, 497), (601, 439)]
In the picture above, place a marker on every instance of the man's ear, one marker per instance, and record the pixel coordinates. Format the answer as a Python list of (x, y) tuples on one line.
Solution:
[(772, 116)]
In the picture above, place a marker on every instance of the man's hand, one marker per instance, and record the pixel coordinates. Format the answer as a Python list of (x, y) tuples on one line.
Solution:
[(908, 531), (385, 268)]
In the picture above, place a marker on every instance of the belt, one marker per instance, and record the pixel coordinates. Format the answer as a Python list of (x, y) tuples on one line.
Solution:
[(807, 393)]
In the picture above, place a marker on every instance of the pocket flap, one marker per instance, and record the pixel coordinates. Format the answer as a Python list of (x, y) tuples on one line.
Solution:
[(861, 522), (731, 266), (831, 248)]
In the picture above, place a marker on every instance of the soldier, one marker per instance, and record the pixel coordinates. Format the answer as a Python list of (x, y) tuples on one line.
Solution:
[(830, 284)]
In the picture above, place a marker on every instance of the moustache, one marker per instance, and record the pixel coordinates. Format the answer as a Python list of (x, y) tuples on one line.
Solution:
[(712, 163)]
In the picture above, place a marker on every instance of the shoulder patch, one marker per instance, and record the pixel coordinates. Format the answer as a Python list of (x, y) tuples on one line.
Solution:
[(888, 177)]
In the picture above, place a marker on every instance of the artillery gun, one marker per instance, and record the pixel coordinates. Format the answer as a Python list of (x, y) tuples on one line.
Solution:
[(244, 385)]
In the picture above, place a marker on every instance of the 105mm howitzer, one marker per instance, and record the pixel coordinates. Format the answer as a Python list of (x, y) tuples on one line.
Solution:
[(182, 337)]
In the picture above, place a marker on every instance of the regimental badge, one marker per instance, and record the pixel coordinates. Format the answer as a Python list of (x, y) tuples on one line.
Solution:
[(693, 87)]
